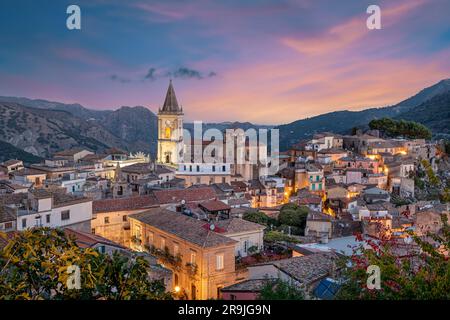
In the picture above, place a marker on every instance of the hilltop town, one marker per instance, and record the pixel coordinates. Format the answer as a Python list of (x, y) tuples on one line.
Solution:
[(225, 230)]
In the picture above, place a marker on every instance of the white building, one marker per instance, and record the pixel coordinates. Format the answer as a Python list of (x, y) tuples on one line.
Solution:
[(45, 209)]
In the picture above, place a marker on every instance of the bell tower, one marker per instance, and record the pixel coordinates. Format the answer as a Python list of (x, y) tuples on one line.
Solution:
[(170, 130)]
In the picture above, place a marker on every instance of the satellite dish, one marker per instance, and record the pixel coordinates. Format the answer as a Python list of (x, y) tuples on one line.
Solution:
[(212, 227), (183, 201)]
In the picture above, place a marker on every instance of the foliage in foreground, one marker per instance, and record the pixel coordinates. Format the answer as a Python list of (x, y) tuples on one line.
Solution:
[(280, 290), (35, 263), (420, 274)]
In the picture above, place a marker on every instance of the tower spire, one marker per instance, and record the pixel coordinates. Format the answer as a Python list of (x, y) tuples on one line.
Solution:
[(170, 103)]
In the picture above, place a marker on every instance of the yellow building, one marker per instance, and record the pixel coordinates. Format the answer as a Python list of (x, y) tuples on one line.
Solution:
[(202, 260)]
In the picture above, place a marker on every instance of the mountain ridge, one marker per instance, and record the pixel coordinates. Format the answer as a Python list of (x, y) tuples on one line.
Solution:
[(135, 128)]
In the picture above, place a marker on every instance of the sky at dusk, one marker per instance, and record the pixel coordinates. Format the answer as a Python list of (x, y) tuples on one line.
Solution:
[(267, 62)]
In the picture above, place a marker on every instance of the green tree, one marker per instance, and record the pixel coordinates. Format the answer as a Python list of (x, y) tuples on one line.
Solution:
[(421, 274), (445, 195), (35, 264), (432, 178), (408, 129), (257, 217), (293, 215), (280, 290), (277, 236)]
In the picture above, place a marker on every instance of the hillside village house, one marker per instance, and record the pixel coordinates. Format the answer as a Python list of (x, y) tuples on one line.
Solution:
[(11, 166), (110, 216), (72, 155), (42, 208), (29, 176), (8, 219), (304, 272), (249, 235), (8, 186), (311, 176), (201, 259)]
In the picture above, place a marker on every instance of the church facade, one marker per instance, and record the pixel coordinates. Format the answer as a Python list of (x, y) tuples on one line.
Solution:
[(172, 150)]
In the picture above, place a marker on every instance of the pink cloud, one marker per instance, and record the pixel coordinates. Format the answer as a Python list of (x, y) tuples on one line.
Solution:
[(347, 33)]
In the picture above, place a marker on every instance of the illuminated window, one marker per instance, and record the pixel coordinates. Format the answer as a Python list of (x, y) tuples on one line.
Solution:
[(168, 132)]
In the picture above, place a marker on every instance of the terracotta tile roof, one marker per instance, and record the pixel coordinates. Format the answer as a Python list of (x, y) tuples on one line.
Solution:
[(309, 200), (11, 162), (144, 168), (238, 186), (182, 226), (13, 198), (188, 195), (114, 151), (251, 285), (124, 204), (236, 225), (64, 199), (308, 269), (88, 240), (27, 172), (318, 216), (6, 214), (214, 205), (41, 193)]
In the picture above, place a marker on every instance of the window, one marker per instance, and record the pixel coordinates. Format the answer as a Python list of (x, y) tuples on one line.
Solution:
[(24, 223), (65, 215), (232, 297), (106, 220), (150, 238), (47, 218), (8, 225), (163, 243), (193, 292), (224, 180), (102, 249), (93, 230), (223, 168), (245, 245), (193, 256), (190, 168), (124, 218), (198, 168), (219, 261), (214, 168)]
